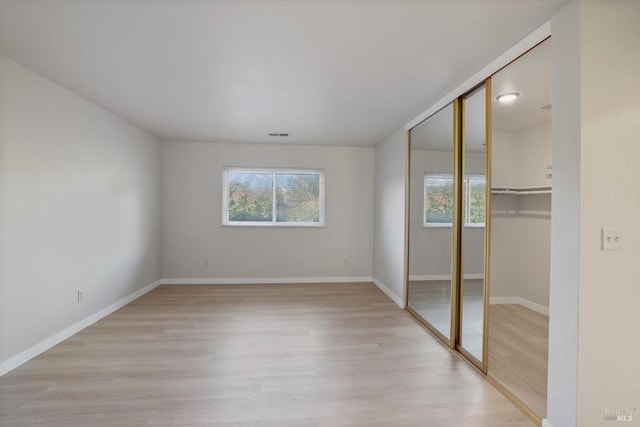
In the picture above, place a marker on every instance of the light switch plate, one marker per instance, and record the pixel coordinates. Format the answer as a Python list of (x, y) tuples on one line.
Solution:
[(611, 239)]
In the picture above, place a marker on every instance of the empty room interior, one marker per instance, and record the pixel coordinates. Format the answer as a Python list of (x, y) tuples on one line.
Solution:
[(319, 213)]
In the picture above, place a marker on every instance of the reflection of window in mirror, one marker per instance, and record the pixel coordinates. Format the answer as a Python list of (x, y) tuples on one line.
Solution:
[(438, 200), (475, 208)]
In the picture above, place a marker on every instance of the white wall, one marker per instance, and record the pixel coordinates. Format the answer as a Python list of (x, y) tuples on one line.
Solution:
[(594, 353), (79, 209), (520, 244), (197, 246), (389, 230), (504, 227), (430, 247), (504, 159), (609, 310), (534, 249), (534, 155), (505, 248), (520, 159)]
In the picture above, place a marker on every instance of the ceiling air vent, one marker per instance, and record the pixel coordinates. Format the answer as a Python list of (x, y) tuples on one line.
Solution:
[(546, 107), (278, 134)]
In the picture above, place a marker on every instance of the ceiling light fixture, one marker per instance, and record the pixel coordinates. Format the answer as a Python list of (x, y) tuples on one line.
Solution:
[(507, 97)]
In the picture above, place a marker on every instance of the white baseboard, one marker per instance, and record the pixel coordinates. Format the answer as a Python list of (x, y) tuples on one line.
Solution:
[(395, 298), (546, 423), (429, 277), (521, 301), (505, 300), (265, 280), (30, 353)]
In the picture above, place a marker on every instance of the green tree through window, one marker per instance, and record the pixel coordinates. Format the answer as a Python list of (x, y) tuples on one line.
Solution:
[(439, 200), (477, 197), (298, 197), (250, 197), (273, 197)]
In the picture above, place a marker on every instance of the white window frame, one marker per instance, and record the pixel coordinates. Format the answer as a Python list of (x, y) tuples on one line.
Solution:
[(426, 224), (467, 207), (467, 198), (274, 172)]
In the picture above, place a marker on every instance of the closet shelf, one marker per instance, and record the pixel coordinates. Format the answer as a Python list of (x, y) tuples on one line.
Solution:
[(521, 191)]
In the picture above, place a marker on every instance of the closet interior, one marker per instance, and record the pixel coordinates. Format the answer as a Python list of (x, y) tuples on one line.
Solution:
[(521, 228)]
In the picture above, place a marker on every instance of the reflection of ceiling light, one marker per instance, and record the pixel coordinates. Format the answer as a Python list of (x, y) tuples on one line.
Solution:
[(508, 97)]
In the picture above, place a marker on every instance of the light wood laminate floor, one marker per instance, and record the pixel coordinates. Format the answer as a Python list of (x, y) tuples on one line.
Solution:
[(431, 299), (518, 337), (518, 347), (254, 355)]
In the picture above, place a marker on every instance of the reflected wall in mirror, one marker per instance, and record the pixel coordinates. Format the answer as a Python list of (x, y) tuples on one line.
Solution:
[(472, 304), (431, 217), (521, 228)]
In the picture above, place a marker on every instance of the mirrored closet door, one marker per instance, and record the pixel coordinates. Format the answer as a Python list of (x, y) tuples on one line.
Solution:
[(446, 238), (479, 208), (432, 204), (473, 224)]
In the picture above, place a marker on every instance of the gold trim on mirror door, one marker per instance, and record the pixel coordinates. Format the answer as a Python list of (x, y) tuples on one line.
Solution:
[(455, 234), (470, 358), (487, 228), (479, 364), (407, 209), (460, 221), (435, 332), (454, 340), (449, 340), (537, 419), (431, 329)]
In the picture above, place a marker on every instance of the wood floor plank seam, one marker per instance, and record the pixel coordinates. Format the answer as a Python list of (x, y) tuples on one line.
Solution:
[(253, 355)]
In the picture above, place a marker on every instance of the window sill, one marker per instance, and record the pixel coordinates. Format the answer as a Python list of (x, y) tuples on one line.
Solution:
[(435, 226), (270, 225)]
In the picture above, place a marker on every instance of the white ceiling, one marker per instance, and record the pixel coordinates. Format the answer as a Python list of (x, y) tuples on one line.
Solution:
[(529, 75), (436, 132), (327, 72)]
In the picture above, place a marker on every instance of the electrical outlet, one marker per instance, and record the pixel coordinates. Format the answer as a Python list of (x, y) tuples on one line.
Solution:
[(611, 239), (80, 295)]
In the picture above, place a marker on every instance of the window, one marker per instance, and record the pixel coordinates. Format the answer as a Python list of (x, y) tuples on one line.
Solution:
[(438, 200), (475, 206), (273, 197)]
